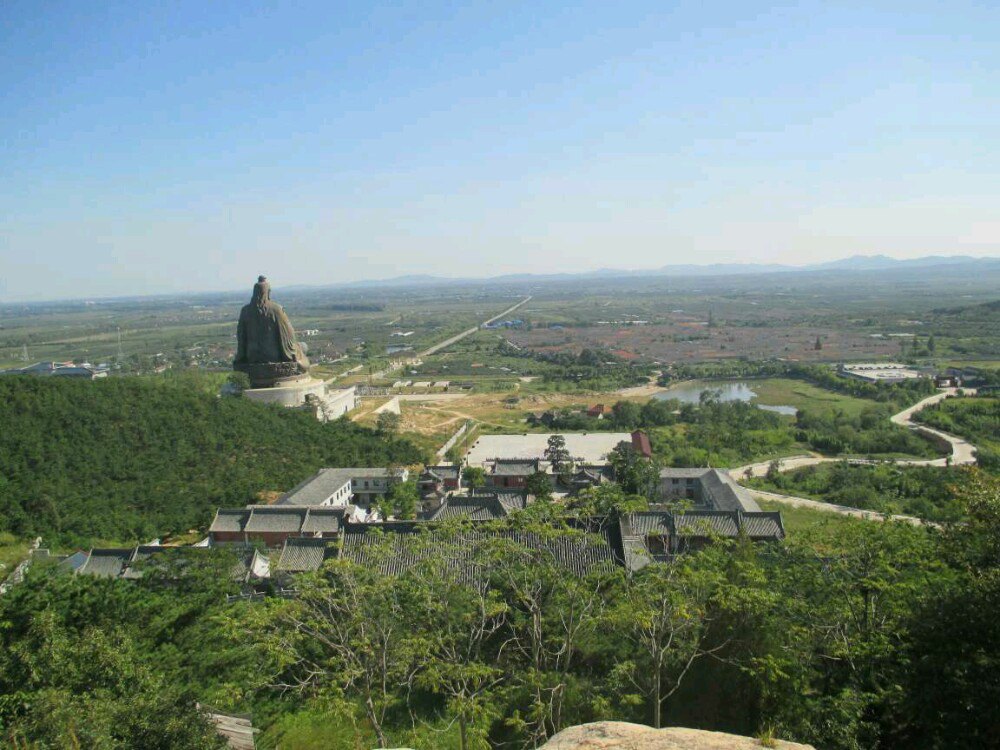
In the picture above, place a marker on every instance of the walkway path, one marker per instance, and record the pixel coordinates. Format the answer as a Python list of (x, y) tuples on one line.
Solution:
[(962, 452), (844, 510)]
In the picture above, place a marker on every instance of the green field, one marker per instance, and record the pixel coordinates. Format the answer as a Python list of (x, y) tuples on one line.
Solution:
[(805, 396), (924, 491), (821, 526)]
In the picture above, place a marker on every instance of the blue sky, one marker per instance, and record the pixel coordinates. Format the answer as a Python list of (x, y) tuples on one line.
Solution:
[(149, 148)]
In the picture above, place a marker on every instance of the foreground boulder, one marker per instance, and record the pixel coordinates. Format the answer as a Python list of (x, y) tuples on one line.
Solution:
[(620, 735)]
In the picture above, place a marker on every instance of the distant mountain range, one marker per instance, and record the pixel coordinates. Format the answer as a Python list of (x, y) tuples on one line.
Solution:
[(957, 266), (856, 263)]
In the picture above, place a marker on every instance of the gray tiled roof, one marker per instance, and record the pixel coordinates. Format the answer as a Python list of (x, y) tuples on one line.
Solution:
[(719, 491), (511, 501), (323, 520), (106, 562), (514, 468), (594, 472), (401, 546), (275, 519), (648, 522), (119, 562), (299, 555), (139, 555), (683, 473), (243, 565), (481, 508), (443, 471), (485, 507), (763, 525), (230, 519), (325, 482), (706, 523), (319, 487), (726, 494), (636, 556), (75, 561)]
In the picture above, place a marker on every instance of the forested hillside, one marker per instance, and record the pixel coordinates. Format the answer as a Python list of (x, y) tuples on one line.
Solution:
[(848, 635), (128, 459)]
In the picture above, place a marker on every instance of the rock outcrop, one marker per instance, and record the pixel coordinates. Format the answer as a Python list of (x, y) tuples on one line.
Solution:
[(619, 735)]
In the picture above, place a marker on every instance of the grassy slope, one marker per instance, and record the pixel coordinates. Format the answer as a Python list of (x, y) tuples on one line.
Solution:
[(802, 395), (12, 551), (823, 526)]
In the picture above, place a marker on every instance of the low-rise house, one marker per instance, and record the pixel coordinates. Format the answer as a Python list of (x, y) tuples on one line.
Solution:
[(131, 562), (705, 489), (968, 377), (659, 535), (512, 474), (60, 370), (879, 372), (345, 486), (546, 418), (440, 479), (599, 411), (274, 524), (487, 507), (106, 563), (586, 476)]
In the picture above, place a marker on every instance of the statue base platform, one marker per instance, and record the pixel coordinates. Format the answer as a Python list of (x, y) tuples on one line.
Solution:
[(274, 374), (310, 394), (292, 393)]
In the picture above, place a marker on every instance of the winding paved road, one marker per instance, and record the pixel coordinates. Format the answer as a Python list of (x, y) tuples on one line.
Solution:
[(962, 453)]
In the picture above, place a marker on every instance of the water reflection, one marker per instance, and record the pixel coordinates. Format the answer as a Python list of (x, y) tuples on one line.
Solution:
[(727, 390)]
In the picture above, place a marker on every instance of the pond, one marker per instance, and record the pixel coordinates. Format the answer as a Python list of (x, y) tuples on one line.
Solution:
[(690, 393)]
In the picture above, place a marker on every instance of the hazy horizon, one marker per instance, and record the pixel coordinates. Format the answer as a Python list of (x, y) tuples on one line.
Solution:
[(281, 283), (154, 150)]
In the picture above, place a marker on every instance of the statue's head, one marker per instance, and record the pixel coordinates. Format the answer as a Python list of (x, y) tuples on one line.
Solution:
[(261, 292)]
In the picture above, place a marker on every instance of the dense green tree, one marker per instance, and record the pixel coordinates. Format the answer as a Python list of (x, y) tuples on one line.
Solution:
[(94, 689), (402, 499), (539, 484), (388, 422), (130, 459), (474, 478), (664, 615), (627, 414), (607, 499), (636, 474), (557, 454)]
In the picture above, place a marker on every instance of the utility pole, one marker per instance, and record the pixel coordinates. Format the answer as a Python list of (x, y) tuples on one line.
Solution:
[(24, 353), (121, 355)]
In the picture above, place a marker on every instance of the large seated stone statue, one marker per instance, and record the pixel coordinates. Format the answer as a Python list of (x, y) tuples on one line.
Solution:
[(266, 348)]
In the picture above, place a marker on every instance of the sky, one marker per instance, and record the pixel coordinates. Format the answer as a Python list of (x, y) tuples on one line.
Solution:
[(188, 146)]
